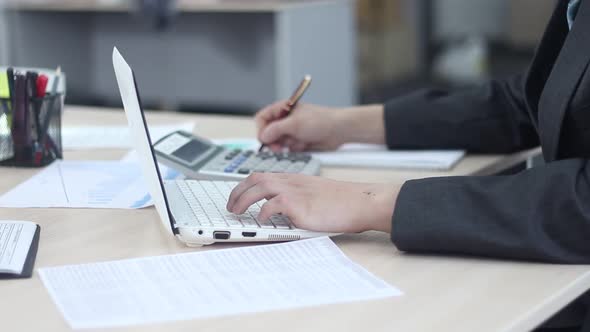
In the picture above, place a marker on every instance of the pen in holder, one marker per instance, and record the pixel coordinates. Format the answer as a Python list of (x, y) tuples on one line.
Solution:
[(30, 129)]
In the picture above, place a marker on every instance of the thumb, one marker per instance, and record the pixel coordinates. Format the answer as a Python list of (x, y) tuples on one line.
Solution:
[(277, 129)]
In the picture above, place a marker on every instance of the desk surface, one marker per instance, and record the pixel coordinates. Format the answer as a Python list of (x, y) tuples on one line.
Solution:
[(441, 293), (184, 6)]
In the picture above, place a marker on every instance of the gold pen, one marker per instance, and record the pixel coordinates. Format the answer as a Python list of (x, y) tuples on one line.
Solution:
[(299, 92), (292, 102)]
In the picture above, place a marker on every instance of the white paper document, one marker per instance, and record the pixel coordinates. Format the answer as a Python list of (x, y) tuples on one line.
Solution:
[(84, 184), (376, 155), (210, 283), (369, 155), (89, 137), (15, 241)]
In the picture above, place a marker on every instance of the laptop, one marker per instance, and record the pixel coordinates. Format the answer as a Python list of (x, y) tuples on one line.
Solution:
[(195, 210)]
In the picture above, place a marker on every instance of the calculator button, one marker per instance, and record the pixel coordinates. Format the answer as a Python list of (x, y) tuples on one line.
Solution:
[(281, 166), (249, 164), (244, 171), (266, 155), (264, 166), (232, 154), (229, 169), (296, 167), (293, 156), (292, 170)]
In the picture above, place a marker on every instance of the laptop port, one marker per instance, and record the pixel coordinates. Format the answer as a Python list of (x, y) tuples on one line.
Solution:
[(248, 234), (221, 235)]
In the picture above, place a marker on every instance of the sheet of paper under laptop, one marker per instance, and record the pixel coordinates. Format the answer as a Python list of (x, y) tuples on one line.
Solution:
[(105, 184), (210, 283)]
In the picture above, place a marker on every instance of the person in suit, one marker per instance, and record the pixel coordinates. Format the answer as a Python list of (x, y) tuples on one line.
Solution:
[(541, 214)]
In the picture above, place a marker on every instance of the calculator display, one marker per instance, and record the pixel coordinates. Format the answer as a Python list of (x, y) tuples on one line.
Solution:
[(191, 150)]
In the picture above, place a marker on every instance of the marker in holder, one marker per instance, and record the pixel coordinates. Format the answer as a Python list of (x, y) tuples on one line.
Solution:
[(34, 123)]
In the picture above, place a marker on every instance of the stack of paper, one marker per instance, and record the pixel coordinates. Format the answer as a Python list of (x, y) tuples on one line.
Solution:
[(16, 238), (375, 155), (211, 283)]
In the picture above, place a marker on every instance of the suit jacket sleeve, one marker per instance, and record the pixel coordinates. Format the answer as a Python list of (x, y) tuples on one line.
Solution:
[(539, 214), (492, 118)]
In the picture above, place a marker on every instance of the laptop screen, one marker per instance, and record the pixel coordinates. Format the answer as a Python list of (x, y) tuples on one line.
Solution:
[(141, 138)]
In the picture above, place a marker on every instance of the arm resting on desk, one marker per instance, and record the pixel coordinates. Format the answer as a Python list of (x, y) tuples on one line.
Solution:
[(541, 214), (492, 118)]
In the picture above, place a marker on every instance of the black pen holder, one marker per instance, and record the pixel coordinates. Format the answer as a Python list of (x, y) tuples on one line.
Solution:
[(30, 134)]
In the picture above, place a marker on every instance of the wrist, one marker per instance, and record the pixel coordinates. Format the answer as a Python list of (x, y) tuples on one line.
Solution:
[(377, 202), (362, 124), (386, 205)]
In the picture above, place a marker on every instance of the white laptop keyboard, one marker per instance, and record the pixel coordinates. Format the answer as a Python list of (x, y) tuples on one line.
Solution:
[(207, 201)]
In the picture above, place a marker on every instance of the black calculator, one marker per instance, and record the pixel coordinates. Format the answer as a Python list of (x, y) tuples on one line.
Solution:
[(198, 158)]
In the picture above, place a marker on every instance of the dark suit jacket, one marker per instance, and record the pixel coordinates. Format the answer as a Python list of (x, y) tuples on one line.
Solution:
[(541, 214)]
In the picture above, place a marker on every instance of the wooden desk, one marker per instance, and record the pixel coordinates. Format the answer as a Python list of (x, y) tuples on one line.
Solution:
[(441, 293)]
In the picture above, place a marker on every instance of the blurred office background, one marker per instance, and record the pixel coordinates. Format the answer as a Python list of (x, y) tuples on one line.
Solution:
[(235, 56)]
